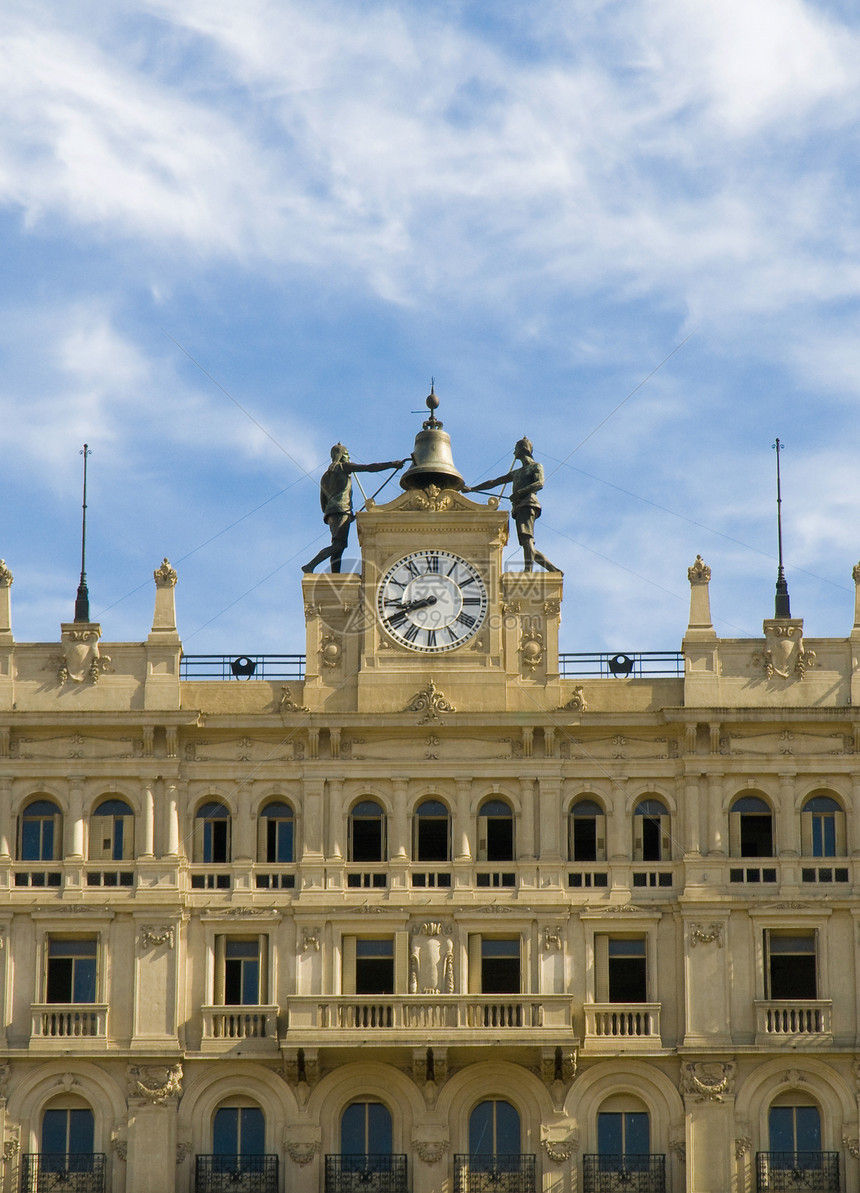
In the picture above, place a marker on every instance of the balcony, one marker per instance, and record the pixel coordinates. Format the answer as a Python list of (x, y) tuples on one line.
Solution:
[(643, 1173), (238, 1174), (367, 1173), (501, 1173), (629, 1025), (779, 1021), (72, 1173), (62, 1022), (224, 1027), (437, 1019), (797, 1172)]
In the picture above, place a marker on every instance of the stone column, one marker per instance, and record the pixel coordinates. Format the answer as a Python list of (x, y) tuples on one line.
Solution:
[(76, 820), (5, 600), (787, 826), (172, 821), (549, 797), (398, 842), (335, 819), (692, 812), (462, 819), (526, 833), (243, 848), (147, 845), (717, 825), (5, 819), (312, 819)]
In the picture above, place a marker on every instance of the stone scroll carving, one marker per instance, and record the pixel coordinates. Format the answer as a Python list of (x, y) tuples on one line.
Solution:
[(154, 1083), (708, 1081), (431, 959), (431, 702), (165, 575)]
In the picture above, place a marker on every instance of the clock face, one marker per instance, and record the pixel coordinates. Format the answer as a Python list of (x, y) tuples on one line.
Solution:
[(432, 601)]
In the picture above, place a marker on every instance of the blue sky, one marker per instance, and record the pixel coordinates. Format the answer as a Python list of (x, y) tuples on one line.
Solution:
[(317, 207)]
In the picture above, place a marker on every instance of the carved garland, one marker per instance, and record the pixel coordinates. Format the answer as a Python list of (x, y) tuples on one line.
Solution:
[(153, 936)]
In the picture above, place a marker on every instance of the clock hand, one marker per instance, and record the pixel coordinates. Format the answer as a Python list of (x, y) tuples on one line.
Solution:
[(431, 600)]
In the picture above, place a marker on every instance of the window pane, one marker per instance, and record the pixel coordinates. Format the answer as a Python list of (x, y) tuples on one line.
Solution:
[(807, 1129), (225, 1132), (481, 1130), (81, 1131), (507, 1128), (782, 1129), (610, 1134), (252, 1131), (637, 1135), (59, 984), (378, 1129), (113, 807), (31, 841), (84, 984), (55, 1125)]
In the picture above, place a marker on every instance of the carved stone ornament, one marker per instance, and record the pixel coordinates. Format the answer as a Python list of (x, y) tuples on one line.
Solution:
[(80, 659), (793, 1077), (852, 1147), (11, 1148), (331, 650), (301, 1152), (183, 1150), (699, 573), (531, 649), (784, 654), (429, 701), (165, 576), (153, 936), (708, 1081), (743, 1144), (577, 702), (154, 1083), (855, 572), (431, 1151), (431, 960), (558, 1150), (552, 938), (702, 934), (311, 938), (287, 703), (5, 575), (119, 1146), (436, 500), (679, 1147)]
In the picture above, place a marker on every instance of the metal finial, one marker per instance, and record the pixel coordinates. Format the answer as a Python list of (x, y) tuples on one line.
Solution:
[(782, 606), (432, 404), (82, 601)]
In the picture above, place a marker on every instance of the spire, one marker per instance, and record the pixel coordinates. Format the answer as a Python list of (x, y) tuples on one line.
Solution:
[(782, 606), (82, 602)]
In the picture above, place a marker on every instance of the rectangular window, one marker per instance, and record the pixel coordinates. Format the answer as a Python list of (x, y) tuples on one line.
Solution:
[(500, 966), (376, 966), (241, 970), (791, 964), (620, 969), (71, 976)]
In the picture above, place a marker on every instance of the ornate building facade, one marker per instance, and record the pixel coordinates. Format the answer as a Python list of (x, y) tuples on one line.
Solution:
[(426, 910)]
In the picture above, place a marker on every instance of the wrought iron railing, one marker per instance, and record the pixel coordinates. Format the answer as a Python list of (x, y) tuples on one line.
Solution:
[(504, 1172), (639, 664), (797, 1172), (238, 1174), (71, 1172), (631, 1173), (243, 666), (371, 1172)]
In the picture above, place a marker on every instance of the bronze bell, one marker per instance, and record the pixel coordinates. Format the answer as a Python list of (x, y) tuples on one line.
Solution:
[(432, 463)]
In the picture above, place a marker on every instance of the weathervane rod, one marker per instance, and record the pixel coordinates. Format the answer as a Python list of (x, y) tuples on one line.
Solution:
[(82, 601), (781, 601)]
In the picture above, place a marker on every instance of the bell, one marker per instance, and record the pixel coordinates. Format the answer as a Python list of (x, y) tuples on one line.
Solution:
[(432, 463)]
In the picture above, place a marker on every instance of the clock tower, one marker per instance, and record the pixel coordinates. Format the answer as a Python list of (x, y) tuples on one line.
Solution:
[(432, 603)]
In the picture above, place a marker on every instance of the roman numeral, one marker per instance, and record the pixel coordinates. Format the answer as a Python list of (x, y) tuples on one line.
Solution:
[(431, 637), (432, 564), (396, 619), (467, 620), (412, 568), (412, 633)]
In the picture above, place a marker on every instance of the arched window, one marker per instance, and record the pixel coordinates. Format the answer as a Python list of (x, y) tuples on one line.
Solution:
[(795, 1140), (365, 1130), (212, 834), (624, 1141), (112, 831), (822, 828), (40, 834), (277, 825), (651, 840), (367, 832), (586, 832), (495, 832), (494, 1136), (431, 832), (750, 828), (238, 1146), (66, 1143)]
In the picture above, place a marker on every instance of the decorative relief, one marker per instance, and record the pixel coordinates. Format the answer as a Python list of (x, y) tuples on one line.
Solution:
[(165, 576), (699, 573), (437, 500), (429, 701), (301, 1152), (301, 1072), (183, 1150), (431, 959), (6, 750), (531, 649), (743, 1144), (80, 659), (855, 572), (6, 576), (431, 1151), (512, 608), (620, 746), (852, 1147), (784, 654), (4, 1078), (577, 702), (152, 936), (119, 1146), (331, 650), (527, 742), (700, 934), (558, 1067), (558, 1151), (287, 702), (431, 747), (154, 1083), (311, 939), (552, 608), (708, 1081), (793, 1077), (11, 1148), (679, 1147), (552, 938), (787, 741)]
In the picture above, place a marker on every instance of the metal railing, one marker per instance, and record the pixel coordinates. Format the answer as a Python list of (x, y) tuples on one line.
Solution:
[(509, 1172), (243, 666), (797, 1172), (71, 1172), (640, 664), (238, 1174), (371, 1172), (631, 1173)]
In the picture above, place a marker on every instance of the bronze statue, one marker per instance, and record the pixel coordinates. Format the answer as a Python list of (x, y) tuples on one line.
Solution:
[(526, 483), (336, 502)]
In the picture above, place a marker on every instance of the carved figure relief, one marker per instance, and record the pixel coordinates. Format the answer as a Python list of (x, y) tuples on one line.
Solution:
[(708, 1081), (431, 960), (331, 650), (154, 1083)]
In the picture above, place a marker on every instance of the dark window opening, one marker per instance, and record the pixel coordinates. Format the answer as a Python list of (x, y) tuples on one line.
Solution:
[(791, 966), (500, 966), (367, 832), (71, 976), (627, 971), (374, 967), (431, 832), (241, 973), (496, 829)]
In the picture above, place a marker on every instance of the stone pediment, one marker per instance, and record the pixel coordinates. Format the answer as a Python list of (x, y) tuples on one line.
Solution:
[(433, 500)]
